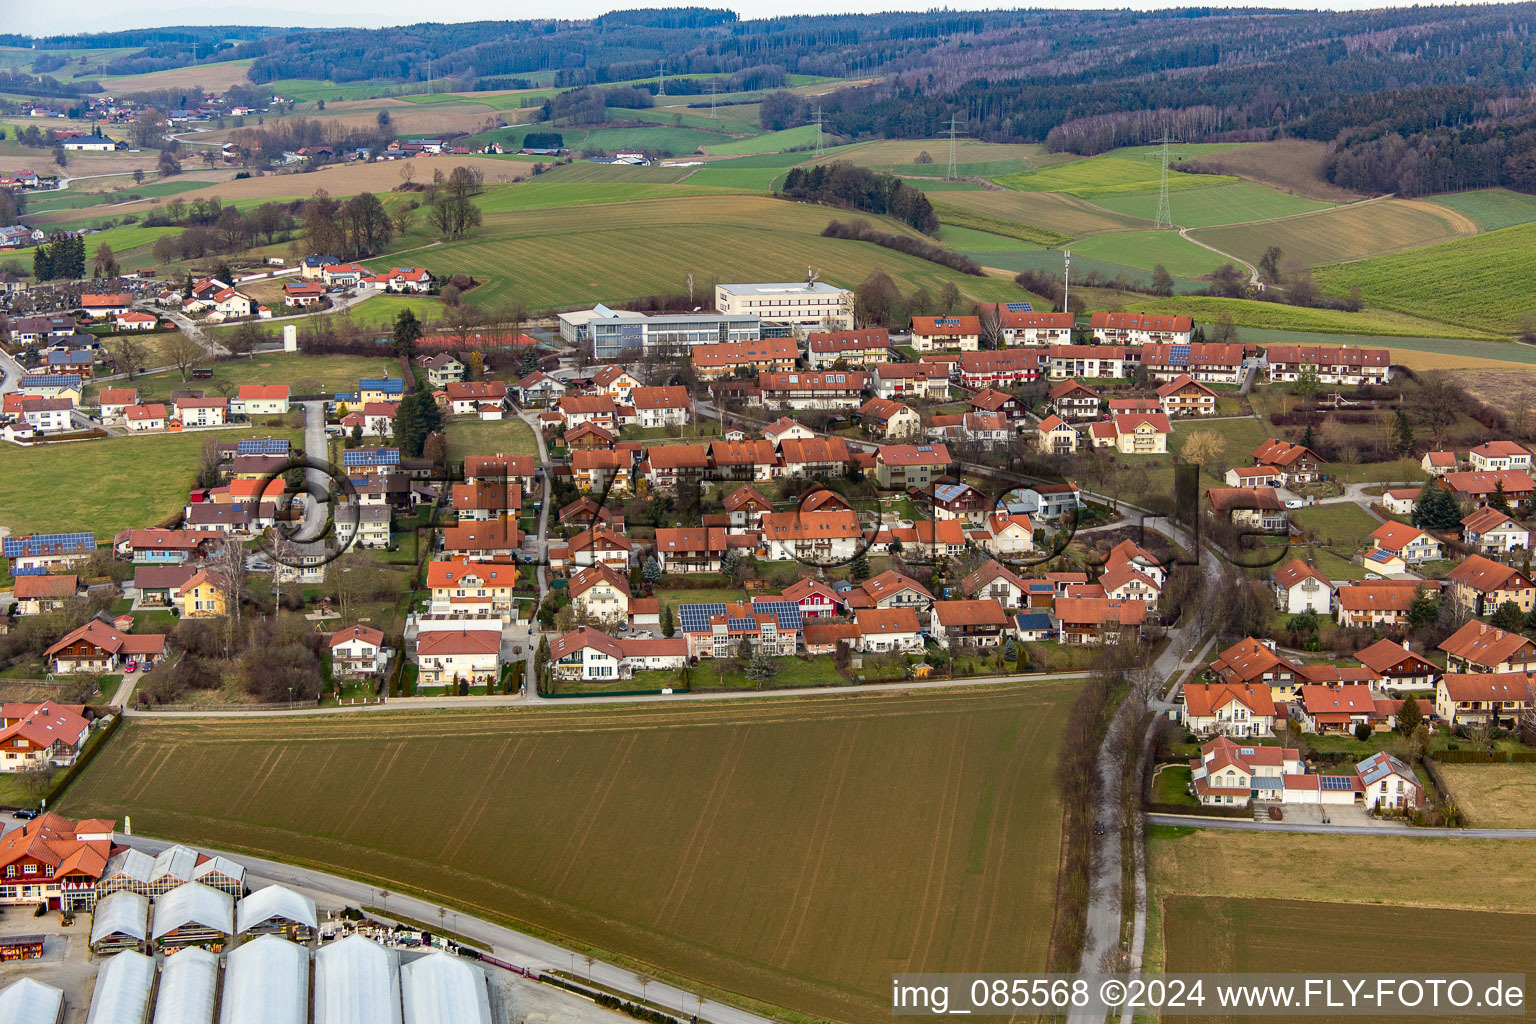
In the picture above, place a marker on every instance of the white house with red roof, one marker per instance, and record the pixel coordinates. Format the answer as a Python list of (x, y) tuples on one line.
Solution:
[(1229, 709), (1300, 587), (1438, 463), (133, 320), (447, 657), (358, 651), (1495, 455), (1142, 433), (592, 655), (46, 733), (260, 400), (1337, 709), (1492, 533), (1230, 774), (887, 629), (1003, 533), (401, 279), (1409, 543)]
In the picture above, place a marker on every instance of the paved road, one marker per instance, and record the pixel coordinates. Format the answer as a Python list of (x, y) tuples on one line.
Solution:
[(540, 554), (317, 482), (505, 943), (1248, 825)]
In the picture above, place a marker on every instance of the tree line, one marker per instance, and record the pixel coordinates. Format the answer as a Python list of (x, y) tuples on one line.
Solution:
[(858, 188)]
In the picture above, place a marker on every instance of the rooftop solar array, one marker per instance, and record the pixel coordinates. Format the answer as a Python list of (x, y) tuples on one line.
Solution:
[(50, 544), (390, 385), (262, 446), (50, 380), (1336, 782), (1020, 307), (371, 457), (694, 618), (1178, 355)]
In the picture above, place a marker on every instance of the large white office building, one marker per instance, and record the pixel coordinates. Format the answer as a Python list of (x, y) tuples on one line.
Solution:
[(813, 305)]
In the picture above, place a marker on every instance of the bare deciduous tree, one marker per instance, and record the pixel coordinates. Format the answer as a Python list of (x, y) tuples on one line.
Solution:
[(183, 352)]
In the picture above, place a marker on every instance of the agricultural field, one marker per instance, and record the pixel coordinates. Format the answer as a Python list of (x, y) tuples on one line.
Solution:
[(329, 373), (1146, 249), (1491, 208), (1237, 203), (1275, 316), (729, 174), (122, 190), (214, 77), (641, 844), (510, 436), (587, 172), (887, 154), (772, 142), (1490, 271), (1291, 165), (1106, 176), (133, 481), (542, 193), (574, 255), (1494, 795), (1343, 233), (1054, 211)]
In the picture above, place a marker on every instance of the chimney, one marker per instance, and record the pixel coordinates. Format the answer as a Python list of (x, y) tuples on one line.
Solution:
[(1406, 647)]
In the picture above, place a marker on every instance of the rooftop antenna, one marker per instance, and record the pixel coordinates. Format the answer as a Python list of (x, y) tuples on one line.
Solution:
[(817, 122), (954, 131), (811, 274), (1164, 213)]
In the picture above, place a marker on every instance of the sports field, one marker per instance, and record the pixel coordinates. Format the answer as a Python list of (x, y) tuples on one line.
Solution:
[(121, 482), (574, 255), (1343, 233), (1494, 795), (1491, 272), (793, 851)]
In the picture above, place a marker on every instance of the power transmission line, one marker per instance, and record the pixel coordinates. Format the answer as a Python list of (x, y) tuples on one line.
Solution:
[(954, 129), (1164, 213), (817, 122), (661, 76)]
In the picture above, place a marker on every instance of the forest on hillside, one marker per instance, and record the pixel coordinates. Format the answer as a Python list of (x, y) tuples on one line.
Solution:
[(1415, 99)]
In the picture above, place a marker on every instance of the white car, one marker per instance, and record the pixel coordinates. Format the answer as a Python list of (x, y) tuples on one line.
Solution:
[(1295, 503), (1372, 576)]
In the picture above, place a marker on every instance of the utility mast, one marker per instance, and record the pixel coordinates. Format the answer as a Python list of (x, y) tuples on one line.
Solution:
[(711, 97), (1164, 214), (954, 130), (661, 78), (817, 123)]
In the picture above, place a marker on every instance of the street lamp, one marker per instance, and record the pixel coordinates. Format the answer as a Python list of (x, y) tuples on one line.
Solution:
[(290, 698)]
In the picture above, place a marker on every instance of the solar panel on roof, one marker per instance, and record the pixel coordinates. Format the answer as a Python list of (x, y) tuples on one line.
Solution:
[(262, 446), (52, 543), (1178, 355), (694, 618), (31, 570), (1336, 782), (1020, 307)]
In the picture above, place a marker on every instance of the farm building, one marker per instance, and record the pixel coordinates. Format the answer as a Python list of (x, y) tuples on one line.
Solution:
[(188, 982), (193, 914), (119, 922), (275, 909), (357, 981), (122, 990), (266, 981), (442, 989)]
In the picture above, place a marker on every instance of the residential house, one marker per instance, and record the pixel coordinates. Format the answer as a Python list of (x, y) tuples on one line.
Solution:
[(826, 537), (469, 398), (1011, 408), (1410, 543), (743, 460), (1297, 463), (734, 358), (906, 466), (1142, 434), (661, 407), (1400, 501), (473, 590), (1073, 400), (816, 599), (1140, 329), (981, 371), (99, 647), (823, 350), (1057, 437), (135, 321), (367, 526), (1228, 709), (584, 512), (197, 411), (1491, 456), (299, 294), (668, 464), (1185, 396), (44, 595), (145, 418), (1394, 666), (786, 429), (54, 862), (1212, 362), (48, 415), (1477, 489), (1027, 327), (442, 369), (204, 595), (1379, 604), (602, 594), (1004, 533), (45, 552), (380, 389), (41, 734), (401, 279), (823, 389), (1088, 621), (811, 456), (771, 625), (358, 651), (588, 435), (539, 390), (592, 655), (595, 409), (1125, 582), (99, 306), (691, 549), (1131, 555), (1479, 647), (1438, 463), (946, 333), (1064, 362), (70, 386), (959, 501), (890, 420), (1489, 532), (979, 622), (447, 657), (112, 402), (1479, 586), (482, 541), (342, 275), (993, 581), (1228, 773), (887, 629), (1250, 662), (904, 381), (1253, 508), (1300, 587), (1255, 476), (261, 400), (1334, 365), (1498, 699), (745, 507), (1389, 784), (1337, 709), (891, 589), (597, 545)]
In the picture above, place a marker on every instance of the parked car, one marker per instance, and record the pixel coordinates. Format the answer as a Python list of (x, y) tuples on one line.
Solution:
[(1295, 503), (1372, 576), (26, 813), (1098, 828), (131, 668)]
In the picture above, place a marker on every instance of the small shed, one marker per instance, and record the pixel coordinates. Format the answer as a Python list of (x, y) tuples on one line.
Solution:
[(20, 947)]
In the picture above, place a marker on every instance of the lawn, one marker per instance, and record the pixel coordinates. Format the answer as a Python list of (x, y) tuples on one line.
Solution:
[(1491, 290), (1237, 203), (332, 374), (1172, 785), (119, 482), (579, 255), (510, 436), (1104, 176), (793, 672), (702, 595), (650, 840), (1494, 795), (1341, 525), (380, 310), (1344, 233)]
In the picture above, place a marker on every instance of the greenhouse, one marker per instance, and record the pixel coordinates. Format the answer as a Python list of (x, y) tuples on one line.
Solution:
[(279, 910), (357, 981), (193, 913), (266, 981), (188, 982), (31, 1002), (440, 988), (122, 990), (121, 921)]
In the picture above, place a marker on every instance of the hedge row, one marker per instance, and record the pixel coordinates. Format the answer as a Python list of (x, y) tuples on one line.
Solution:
[(1484, 757)]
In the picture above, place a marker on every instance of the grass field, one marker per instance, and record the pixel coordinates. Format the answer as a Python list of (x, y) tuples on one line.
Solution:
[(726, 119), (651, 835), (1342, 525), (330, 373), (543, 194), (574, 255), (964, 217), (1343, 233), (1274, 316), (732, 174), (125, 482), (1146, 249), (380, 310), (771, 142), (510, 436), (1236, 203), (1106, 176), (587, 172), (1054, 211), (889, 153), (1491, 208), (1490, 272), (124, 191), (1292, 165), (1494, 795)]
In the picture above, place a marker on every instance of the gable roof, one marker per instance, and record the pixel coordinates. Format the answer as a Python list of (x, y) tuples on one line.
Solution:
[(1485, 575), (1386, 654), (367, 634), (1478, 643), (1395, 536), (1204, 700)]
